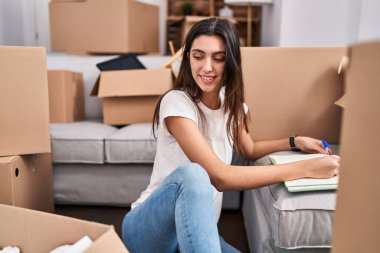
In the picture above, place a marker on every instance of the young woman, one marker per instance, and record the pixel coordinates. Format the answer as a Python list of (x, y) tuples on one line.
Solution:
[(199, 123)]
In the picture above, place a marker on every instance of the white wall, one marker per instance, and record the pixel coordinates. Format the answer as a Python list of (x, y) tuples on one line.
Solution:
[(42, 23), (319, 23), (271, 23), (11, 22), (369, 20)]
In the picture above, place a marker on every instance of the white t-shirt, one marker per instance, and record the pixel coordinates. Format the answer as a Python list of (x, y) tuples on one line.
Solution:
[(170, 156)]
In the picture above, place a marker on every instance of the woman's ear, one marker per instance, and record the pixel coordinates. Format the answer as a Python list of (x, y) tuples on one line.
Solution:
[(188, 55)]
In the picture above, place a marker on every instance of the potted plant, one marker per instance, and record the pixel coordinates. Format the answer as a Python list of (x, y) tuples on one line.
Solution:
[(187, 8)]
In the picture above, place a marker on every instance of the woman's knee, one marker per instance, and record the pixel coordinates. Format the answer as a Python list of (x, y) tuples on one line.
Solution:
[(194, 174)]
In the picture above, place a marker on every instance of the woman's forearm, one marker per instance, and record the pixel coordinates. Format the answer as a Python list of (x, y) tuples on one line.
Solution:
[(262, 148), (248, 177)]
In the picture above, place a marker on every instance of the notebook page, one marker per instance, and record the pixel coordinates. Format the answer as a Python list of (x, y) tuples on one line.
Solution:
[(289, 157)]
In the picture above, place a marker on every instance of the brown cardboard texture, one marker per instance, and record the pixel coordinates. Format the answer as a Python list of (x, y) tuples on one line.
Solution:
[(24, 102), (292, 91), (66, 101), (103, 26), (36, 232), (26, 181), (130, 96), (357, 216)]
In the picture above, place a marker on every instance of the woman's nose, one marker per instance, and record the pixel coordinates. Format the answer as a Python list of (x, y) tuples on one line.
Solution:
[(207, 66)]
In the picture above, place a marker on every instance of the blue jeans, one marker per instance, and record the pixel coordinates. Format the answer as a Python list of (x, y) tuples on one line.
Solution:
[(178, 216)]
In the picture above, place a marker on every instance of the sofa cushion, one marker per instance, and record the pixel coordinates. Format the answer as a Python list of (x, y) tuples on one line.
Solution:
[(131, 144), (100, 184), (79, 142)]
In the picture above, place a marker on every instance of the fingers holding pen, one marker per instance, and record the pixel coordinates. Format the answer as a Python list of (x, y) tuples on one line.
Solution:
[(325, 167)]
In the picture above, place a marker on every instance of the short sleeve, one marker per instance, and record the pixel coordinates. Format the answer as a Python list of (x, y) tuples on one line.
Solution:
[(177, 103)]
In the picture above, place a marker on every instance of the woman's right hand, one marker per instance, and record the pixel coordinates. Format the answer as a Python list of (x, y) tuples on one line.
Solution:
[(324, 167)]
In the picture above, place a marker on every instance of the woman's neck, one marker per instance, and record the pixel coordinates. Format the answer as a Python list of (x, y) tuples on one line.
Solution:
[(212, 101)]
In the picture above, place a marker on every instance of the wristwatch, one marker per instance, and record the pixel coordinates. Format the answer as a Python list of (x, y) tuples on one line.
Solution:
[(293, 144)]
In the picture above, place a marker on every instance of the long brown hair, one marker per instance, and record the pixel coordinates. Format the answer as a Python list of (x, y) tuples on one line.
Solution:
[(232, 78)]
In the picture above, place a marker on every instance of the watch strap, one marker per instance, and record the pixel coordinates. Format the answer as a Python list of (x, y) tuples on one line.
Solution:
[(292, 143)]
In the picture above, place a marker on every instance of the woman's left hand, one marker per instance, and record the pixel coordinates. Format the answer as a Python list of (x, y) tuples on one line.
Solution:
[(310, 145)]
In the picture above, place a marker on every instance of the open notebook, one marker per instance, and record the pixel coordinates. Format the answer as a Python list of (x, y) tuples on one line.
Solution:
[(303, 184)]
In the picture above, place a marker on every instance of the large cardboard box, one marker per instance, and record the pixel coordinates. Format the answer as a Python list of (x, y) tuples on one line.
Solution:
[(357, 216), (24, 103), (26, 181), (103, 26), (278, 80), (36, 232), (130, 96), (66, 101)]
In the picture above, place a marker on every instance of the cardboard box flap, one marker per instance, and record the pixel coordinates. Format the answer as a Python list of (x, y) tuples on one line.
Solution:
[(36, 232), (342, 69), (343, 65), (7, 159), (109, 240), (95, 89), (342, 101), (357, 216), (134, 83)]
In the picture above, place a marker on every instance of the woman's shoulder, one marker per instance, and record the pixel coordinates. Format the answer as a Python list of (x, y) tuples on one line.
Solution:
[(177, 102), (176, 95)]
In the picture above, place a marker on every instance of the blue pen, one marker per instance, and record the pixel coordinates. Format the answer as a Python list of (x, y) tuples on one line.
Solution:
[(326, 146)]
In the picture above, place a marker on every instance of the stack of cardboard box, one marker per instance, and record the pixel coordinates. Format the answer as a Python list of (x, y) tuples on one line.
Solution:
[(109, 27), (25, 163), (25, 159)]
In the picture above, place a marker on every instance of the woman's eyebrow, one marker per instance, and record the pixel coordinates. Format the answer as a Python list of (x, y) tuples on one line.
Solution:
[(198, 50), (219, 52), (203, 52)]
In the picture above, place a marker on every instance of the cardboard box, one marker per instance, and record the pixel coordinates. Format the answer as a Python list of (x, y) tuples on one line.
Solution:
[(357, 216), (103, 26), (292, 91), (36, 232), (26, 181), (130, 96), (66, 101), (24, 102)]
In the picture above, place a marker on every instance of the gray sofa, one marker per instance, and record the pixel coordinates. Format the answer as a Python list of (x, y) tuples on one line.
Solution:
[(99, 164), (278, 221)]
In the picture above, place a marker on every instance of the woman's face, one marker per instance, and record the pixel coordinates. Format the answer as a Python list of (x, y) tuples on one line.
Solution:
[(207, 59)]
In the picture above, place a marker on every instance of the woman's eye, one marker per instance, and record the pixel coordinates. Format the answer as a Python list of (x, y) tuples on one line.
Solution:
[(197, 57), (220, 59)]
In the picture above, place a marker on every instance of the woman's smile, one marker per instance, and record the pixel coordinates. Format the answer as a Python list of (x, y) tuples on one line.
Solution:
[(207, 79)]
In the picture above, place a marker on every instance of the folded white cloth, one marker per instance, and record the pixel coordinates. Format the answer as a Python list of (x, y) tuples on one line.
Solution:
[(10, 249), (79, 247)]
